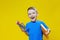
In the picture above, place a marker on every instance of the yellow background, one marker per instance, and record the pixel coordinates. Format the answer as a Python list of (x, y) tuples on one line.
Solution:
[(13, 10)]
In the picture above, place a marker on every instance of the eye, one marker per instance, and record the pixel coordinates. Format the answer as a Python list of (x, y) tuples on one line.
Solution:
[(33, 12), (29, 13)]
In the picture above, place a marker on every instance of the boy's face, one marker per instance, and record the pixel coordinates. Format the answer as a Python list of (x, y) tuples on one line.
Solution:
[(32, 14)]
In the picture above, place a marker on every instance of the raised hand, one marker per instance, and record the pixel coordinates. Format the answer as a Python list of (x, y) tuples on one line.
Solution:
[(21, 25)]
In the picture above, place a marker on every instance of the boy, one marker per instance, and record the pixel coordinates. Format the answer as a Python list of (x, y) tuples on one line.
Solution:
[(35, 28)]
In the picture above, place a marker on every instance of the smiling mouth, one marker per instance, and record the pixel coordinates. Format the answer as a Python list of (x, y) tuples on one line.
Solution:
[(32, 17)]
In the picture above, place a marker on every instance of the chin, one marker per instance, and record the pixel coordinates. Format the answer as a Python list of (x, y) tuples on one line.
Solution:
[(33, 20)]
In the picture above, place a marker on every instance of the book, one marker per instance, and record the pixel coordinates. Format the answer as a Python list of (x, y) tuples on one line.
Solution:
[(44, 30)]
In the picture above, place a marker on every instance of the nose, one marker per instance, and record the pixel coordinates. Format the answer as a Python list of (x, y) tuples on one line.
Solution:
[(31, 15)]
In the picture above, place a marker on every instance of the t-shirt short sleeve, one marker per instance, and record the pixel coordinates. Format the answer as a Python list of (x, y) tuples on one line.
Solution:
[(44, 25), (27, 28)]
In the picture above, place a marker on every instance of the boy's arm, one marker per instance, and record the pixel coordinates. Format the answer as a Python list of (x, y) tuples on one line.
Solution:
[(22, 27)]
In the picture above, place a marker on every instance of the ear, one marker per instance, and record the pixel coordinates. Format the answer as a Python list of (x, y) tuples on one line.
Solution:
[(37, 14)]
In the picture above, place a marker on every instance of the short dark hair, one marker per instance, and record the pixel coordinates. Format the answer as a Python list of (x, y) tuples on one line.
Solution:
[(31, 8)]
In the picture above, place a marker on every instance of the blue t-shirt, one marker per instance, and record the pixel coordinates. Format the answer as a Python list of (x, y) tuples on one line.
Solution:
[(34, 30)]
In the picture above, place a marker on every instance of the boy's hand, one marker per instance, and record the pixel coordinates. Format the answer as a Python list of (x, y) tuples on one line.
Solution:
[(20, 25), (18, 22)]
